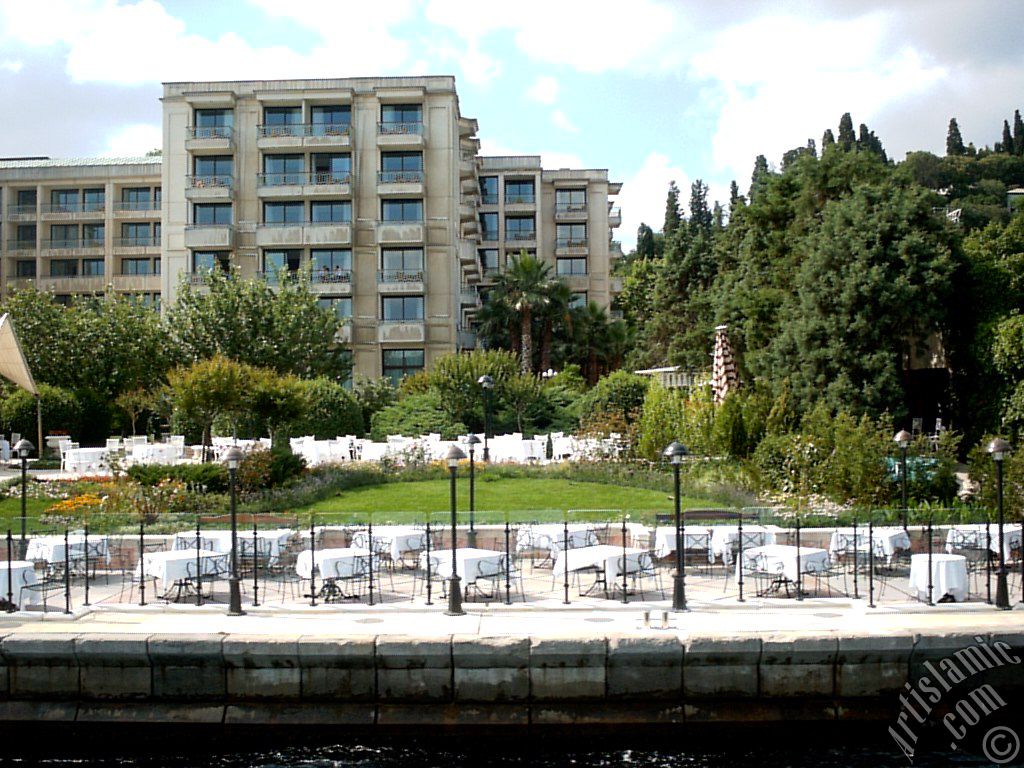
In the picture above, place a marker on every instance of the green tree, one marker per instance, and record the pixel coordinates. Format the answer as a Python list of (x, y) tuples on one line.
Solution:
[(373, 395), (61, 411), (208, 389), (134, 403), (954, 141), (673, 216), (415, 415), (621, 393), (454, 378), (644, 242), (329, 411), (1007, 143), (1018, 133), (526, 288), (274, 400), (847, 139)]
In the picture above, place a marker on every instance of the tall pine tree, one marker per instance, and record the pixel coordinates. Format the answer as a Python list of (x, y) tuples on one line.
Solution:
[(701, 218), (847, 138), (672, 214), (644, 242), (759, 178), (1018, 133), (1007, 143), (827, 139), (954, 141)]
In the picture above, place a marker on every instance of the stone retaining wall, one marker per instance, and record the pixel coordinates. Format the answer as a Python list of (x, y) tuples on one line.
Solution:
[(502, 681)]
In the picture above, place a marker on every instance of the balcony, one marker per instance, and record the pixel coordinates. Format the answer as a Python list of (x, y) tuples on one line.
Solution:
[(137, 245), (615, 249), (137, 209), (208, 187), (615, 285), (489, 235), (316, 184), (72, 247), (570, 212), (72, 283), (466, 339), (73, 211), (520, 237), (21, 245), (304, 135), (469, 296), (400, 281), (219, 236), (135, 283), (615, 314), (488, 198), (614, 216), (208, 138), (571, 246), (333, 281), (400, 182), (520, 203), (400, 135), (400, 232), (467, 253), (401, 331), (304, 233), (21, 212)]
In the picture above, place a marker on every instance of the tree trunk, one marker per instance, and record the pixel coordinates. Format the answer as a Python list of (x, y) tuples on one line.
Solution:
[(545, 346), (526, 331), (592, 367), (206, 441)]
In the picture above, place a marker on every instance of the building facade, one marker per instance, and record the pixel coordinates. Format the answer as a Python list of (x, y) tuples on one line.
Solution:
[(373, 186)]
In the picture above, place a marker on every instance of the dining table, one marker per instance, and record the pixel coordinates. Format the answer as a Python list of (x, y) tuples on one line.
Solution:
[(948, 577)]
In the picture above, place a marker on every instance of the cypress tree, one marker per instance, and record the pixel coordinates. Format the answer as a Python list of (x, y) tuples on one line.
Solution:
[(954, 141), (847, 138), (644, 242), (759, 178), (700, 215), (672, 214), (1007, 143), (1018, 133), (827, 139)]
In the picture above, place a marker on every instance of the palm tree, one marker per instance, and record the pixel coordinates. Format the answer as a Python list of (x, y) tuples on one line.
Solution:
[(556, 314), (526, 287), (497, 323), (591, 326)]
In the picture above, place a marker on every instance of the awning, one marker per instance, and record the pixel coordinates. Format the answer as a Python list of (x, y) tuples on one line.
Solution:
[(13, 366)]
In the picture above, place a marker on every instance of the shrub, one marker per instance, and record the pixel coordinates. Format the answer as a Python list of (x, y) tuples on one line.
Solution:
[(60, 408), (330, 411), (620, 392), (212, 475), (415, 415), (373, 395), (263, 469)]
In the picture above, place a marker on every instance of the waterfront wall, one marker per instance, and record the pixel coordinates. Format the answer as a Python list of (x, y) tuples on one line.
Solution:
[(402, 682)]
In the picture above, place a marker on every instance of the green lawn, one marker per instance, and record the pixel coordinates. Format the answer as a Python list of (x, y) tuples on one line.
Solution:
[(525, 498), (10, 514)]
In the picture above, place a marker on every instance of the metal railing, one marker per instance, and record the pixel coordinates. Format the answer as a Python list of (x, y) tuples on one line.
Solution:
[(71, 242), (21, 210), (153, 273), (400, 177), (520, 199), (209, 132), (21, 245), (489, 234), (136, 205), (571, 242), (397, 129), (75, 276), (489, 199), (342, 222), (327, 276), (293, 179), (297, 130), (214, 181), (570, 208), (400, 276), (516, 235), (137, 242), (82, 207)]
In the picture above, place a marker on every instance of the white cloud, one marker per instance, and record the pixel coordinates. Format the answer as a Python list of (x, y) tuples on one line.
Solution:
[(544, 90), (643, 196), (12, 65), (134, 140), (549, 159), (560, 119)]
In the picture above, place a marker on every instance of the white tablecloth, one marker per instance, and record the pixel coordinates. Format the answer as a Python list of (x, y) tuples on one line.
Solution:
[(331, 563), (949, 576), (179, 564), (23, 574), (724, 536), (604, 556), (469, 561), (781, 558), (697, 537), (886, 540), (82, 460), (551, 537), (396, 539), (975, 536), (51, 548), (156, 453), (220, 541)]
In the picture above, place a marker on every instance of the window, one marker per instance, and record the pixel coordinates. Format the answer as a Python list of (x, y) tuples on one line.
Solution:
[(25, 268), (336, 211), (489, 259), (392, 116), (93, 267), (330, 265), (149, 300), (570, 266), (139, 267), (209, 260), (398, 167), (157, 196), (520, 228), (64, 299), (282, 121), (401, 210), (93, 235), (93, 199), (340, 305), (399, 363), (277, 261), (570, 235), (331, 120), (489, 190), (335, 168), (63, 268), (25, 235), (64, 235), (211, 214), (284, 213), (214, 118), (156, 233), (578, 300), (156, 266), (401, 309), (489, 226), (26, 198), (214, 167), (135, 199), (64, 200), (136, 234), (518, 191), (402, 259), (570, 200), (283, 169)]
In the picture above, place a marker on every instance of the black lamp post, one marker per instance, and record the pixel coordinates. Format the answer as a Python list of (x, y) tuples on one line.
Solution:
[(23, 448), (455, 455), (232, 458), (674, 453), (487, 384), (999, 448), (902, 439), (472, 441)]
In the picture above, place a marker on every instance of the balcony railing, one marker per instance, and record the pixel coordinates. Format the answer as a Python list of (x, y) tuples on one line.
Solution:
[(209, 132), (342, 222), (400, 177), (489, 234), (74, 276), (488, 199), (90, 207), (567, 208), (400, 276), (520, 199), (199, 182), (398, 129), (136, 205), (518, 234), (147, 241), (21, 210), (304, 129), (21, 245), (153, 273), (293, 179), (71, 242), (571, 242), (327, 276)]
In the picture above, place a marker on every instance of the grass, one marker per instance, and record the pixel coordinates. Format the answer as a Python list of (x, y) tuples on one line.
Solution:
[(10, 514), (543, 499)]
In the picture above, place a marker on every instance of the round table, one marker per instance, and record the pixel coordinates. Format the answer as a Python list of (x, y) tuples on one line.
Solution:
[(949, 576)]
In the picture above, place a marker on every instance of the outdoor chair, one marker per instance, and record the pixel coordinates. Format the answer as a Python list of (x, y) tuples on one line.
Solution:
[(696, 549), (283, 573), (131, 577), (646, 570), (422, 575), (488, 572), (45, 587), (346, 586)]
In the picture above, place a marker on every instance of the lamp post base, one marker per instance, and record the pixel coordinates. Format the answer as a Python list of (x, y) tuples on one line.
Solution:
[(235, 597), (679, 593), (454, 598), (471, 538), (1002, 591)]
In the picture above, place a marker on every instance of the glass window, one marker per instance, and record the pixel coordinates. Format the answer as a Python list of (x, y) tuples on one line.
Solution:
[(401, 161), (276, 261), (64, 299), (578, 300), (65, 200), (284, 213), (340, 305), (333, 168), (26, 234), (214, 165), (208, 260), (156, 266), (64, 235), (489, 259), (138, 267), (93, 199), (136, 234), (26, 198), (93, 235), (25, 268), (571, 266), (211, 214), (401, 210), (398, 309), (570, 235), (331, 211), (518, 191), (489, 225), (401, 259), (399, 363), (331, 265), (519, 228), (570, 199), (157, 196), (331, 120), (214, 118), (93, 267), (283, 169), (156, 233), (489, 190), (282, 115), (135, 199), (401, 113), (63, 268)]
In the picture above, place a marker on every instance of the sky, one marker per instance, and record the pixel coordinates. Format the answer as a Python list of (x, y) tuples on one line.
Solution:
[(652, 90)]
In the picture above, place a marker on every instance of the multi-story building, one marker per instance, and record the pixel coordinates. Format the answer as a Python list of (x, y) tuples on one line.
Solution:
[(375, 186), (81, 226)]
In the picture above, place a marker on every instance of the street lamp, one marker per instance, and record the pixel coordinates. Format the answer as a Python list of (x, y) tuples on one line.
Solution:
[(472, 441), (454, 456), (232, 458), (999, 448), (487, 384), (674, 453), (23, 448), (902, 439)]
